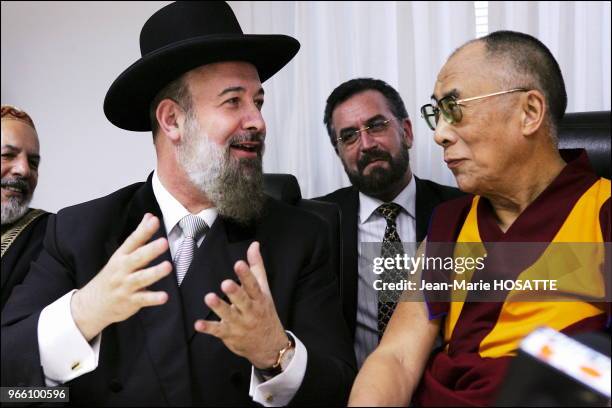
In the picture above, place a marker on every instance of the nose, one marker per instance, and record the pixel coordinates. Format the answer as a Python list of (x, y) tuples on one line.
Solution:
[(444, 134), (21, 166), (254, 120), (367, 141)]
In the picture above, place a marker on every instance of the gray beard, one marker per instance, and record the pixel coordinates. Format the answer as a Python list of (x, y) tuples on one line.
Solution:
[(14, 209), (235, 187)]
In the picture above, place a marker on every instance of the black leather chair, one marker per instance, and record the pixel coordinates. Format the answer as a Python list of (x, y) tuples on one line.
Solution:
[(591, 131), (285, 187)]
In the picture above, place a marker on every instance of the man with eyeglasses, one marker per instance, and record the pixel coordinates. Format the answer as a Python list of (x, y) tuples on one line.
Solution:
[(371, 133), (497, 104)]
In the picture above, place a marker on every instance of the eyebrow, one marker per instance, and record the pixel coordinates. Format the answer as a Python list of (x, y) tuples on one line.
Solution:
[(17, 149), (238, 89), (10, 147), (453, 92)]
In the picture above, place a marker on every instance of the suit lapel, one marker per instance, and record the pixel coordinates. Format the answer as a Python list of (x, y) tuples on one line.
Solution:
[(212, 263), (349, 206), (163, 326)]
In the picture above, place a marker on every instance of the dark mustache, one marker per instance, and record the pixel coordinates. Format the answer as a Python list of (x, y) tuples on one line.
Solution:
[(248, 137), (372, 155), (18, 183)]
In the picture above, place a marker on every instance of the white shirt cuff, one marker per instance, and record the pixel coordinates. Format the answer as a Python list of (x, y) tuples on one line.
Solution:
[(64, 353), (279, 390)]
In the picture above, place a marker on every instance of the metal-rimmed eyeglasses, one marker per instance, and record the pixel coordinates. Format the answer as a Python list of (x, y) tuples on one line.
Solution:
[(349, 136), (450, 107)]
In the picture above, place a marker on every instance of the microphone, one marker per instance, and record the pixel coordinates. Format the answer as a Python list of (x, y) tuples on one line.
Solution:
[(553, 369)]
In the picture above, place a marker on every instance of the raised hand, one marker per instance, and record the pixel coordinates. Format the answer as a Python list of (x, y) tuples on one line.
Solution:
[(249, 326), (118, 291)]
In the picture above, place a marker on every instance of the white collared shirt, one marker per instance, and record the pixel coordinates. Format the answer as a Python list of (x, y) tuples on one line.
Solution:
[(173, 212), (371, 228), (65, 354)]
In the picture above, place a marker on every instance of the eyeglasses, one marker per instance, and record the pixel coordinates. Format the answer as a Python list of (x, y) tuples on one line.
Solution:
[(349, 137), (450, 107)]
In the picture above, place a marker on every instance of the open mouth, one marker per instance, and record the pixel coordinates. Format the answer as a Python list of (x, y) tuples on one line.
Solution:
[(252, 147), (14, 189)]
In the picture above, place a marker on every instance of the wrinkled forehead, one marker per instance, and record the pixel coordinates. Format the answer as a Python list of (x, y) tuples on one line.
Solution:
[(212, 77), (466, 73), (19, 135), (361, 107)]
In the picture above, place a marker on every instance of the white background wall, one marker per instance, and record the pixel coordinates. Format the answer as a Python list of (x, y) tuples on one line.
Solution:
[(59, 58)]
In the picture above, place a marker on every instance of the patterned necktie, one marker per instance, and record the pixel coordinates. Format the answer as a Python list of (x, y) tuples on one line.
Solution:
[(391, 246), (193, 228)]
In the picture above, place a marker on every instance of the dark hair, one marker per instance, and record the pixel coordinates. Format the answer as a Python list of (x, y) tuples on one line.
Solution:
[(529, 57), (349, 88), (176, 90)]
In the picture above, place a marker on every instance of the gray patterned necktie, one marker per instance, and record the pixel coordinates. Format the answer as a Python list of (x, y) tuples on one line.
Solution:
[(193, 228), (391, 246)]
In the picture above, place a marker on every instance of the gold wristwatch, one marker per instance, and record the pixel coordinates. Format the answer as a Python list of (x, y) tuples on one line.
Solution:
[(284, 358)]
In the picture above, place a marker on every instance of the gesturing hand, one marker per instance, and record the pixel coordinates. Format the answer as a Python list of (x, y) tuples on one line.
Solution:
[(118, 291), (249, 326)]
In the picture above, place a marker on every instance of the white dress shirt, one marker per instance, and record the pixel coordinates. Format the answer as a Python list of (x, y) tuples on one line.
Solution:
[(371, 229), (65, 354), (173, 212)]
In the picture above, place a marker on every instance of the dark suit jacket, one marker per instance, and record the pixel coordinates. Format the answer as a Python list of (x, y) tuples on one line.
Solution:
[(428, 195), (155, 357), (17, 258)]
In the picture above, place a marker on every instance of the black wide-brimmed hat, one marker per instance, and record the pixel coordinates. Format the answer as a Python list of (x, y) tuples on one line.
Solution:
[(183, 36)]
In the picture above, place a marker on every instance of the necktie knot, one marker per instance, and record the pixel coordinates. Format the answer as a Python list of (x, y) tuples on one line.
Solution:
[(389, 211), (193, 226)]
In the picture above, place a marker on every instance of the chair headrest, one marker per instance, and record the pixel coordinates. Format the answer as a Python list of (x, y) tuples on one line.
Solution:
[(283, 187), (590, 131)]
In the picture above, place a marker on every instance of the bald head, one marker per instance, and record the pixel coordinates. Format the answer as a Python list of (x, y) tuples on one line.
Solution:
[(522, 61)]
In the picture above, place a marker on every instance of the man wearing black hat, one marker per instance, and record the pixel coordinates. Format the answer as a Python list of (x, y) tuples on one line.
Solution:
[(122, 303)]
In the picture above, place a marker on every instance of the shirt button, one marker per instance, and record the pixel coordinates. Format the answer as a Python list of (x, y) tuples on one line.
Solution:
[(269, 398)]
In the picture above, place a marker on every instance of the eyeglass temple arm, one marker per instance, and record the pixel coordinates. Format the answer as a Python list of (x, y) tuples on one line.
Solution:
[(491, 94)]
